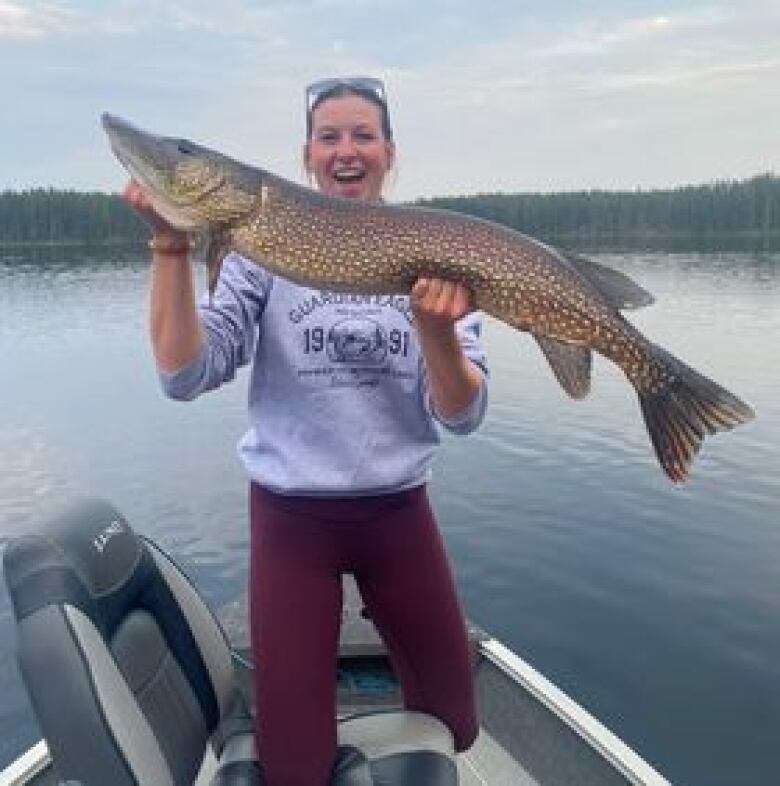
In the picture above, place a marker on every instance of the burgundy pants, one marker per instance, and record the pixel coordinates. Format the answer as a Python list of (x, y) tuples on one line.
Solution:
[(300, 546)]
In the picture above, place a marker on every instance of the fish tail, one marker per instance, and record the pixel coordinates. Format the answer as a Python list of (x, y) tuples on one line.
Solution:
[(681, 407)]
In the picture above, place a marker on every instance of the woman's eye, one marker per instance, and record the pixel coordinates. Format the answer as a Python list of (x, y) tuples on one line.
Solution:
[(364, 136), (328, 137)]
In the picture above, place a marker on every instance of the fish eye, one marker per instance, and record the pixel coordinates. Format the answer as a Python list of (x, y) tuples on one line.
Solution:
[(185, 147)]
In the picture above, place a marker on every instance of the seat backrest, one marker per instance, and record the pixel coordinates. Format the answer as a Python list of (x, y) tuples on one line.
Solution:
[(127, 670)]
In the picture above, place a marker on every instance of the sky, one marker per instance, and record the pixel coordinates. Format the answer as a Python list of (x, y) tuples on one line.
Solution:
[(485, 95)]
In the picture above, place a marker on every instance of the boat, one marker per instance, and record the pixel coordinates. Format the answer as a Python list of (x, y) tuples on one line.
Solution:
[(531, 732)]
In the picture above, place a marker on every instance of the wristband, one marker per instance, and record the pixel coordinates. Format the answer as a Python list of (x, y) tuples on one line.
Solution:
[(169, 247)]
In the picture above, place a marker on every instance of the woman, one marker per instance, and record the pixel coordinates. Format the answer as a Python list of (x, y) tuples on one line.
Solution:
[(344, 398)]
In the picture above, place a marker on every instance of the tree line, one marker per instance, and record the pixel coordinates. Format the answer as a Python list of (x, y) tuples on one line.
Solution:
[(748, 206), (751, 207), (48, 215)]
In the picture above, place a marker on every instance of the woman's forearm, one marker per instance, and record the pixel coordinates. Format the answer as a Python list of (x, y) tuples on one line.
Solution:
[(174, 325), (175, 328), (453, 380)]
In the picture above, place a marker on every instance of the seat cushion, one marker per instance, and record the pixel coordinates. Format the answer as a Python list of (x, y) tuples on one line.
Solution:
[(397, 747), (239, 773), (238, 765)]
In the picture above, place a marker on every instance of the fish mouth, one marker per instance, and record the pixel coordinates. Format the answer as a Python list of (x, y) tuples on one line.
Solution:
[(136, 150), (125, 138)]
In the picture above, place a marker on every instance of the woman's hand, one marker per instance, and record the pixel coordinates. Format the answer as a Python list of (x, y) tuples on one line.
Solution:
[(438, 304), (136, 197)]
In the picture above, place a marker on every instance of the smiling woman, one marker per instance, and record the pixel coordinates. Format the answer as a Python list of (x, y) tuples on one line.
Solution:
[(346, 401)]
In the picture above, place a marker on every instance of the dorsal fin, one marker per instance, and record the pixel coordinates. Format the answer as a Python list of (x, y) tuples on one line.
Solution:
[(616, 287), (570, 364)]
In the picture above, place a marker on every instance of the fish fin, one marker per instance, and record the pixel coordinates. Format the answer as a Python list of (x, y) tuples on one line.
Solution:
[(216, 248), (570, 364), (682, 410), (616, 287)]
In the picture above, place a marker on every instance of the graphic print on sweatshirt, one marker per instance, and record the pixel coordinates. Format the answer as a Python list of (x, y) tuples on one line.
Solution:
[(348, 340)]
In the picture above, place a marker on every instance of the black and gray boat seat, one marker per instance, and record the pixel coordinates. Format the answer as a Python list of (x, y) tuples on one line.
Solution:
[(132, 680)]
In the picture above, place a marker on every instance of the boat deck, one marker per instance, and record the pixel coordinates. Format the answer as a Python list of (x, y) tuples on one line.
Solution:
[(366, 681), (522, 741)]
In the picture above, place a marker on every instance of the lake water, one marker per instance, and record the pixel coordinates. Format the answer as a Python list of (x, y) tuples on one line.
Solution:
[(657, 607)]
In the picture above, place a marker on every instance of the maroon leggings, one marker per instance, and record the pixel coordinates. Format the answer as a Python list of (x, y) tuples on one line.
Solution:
[(300, 546)]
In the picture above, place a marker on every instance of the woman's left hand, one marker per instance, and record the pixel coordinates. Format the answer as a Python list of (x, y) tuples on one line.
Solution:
[(438, 304), (453, 379)]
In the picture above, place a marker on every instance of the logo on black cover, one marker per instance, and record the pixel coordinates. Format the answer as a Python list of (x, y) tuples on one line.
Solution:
[(100, 541)]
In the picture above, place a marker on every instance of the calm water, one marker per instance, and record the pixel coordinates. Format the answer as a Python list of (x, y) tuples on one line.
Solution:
[(656, 607)]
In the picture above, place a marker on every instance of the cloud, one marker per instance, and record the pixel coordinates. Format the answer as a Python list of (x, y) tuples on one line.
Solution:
[(575, 103), (714, 74), (46, 19), (582, 60), (34, 22), (593, 39)]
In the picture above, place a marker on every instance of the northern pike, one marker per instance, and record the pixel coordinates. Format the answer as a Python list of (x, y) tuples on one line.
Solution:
[(569, 304)]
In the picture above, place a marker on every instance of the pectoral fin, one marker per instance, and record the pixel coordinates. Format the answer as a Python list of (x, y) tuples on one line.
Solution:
[(215, 249), (570, 364), (616, 287)]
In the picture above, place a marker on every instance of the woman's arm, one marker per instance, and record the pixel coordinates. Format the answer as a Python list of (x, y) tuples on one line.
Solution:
[(174, 325), (454, 381)]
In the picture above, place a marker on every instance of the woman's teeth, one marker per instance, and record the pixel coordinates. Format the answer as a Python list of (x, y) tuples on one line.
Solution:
[(348, 175)]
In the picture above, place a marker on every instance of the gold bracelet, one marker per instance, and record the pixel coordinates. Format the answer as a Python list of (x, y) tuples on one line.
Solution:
[(169, 247)]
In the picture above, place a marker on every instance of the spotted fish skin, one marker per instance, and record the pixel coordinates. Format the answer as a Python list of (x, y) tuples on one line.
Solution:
[(353, 246), (569, 304)]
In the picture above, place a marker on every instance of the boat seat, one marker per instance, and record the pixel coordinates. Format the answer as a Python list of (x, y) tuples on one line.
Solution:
[(132, 680), (129, 675), (395, 747)]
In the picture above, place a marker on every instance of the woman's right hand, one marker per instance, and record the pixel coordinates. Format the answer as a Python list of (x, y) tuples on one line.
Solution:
[(137, 198), (174, 323)]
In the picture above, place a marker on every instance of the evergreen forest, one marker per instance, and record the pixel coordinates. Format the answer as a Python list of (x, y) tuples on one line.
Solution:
[(749, 208)]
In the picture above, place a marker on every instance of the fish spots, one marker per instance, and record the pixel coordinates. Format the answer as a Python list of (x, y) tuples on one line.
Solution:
[(361, 247)]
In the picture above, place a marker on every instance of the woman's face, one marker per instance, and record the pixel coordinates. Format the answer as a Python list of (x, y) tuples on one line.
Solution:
[(347, 154)]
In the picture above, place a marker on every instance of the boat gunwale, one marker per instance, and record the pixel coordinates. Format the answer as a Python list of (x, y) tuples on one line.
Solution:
[(595, 734), (31, 763)]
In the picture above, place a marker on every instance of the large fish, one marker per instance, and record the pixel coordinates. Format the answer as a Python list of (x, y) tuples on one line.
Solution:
[(569, 304)]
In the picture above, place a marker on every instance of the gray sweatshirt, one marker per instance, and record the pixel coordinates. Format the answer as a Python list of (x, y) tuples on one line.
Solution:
[(338, 400)]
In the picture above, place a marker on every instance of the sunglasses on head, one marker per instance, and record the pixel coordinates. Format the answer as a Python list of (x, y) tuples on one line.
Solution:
[(364, 83)]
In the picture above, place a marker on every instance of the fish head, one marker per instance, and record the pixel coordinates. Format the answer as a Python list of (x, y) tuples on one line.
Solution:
[(192, 187)]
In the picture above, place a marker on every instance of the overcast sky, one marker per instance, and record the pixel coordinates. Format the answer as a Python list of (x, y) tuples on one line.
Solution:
[(485, 95)]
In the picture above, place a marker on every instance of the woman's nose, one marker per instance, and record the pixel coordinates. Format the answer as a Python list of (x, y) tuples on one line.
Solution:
[(346, 148)]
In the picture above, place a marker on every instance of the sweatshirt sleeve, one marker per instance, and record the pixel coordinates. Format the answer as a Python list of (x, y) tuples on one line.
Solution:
[(469, 330), (229, 320)]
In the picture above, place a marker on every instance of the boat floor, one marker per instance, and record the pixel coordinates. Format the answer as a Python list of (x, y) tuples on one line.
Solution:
[(486, 762)]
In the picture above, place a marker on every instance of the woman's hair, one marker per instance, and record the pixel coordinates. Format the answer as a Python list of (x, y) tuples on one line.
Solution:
[(340, 90)]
